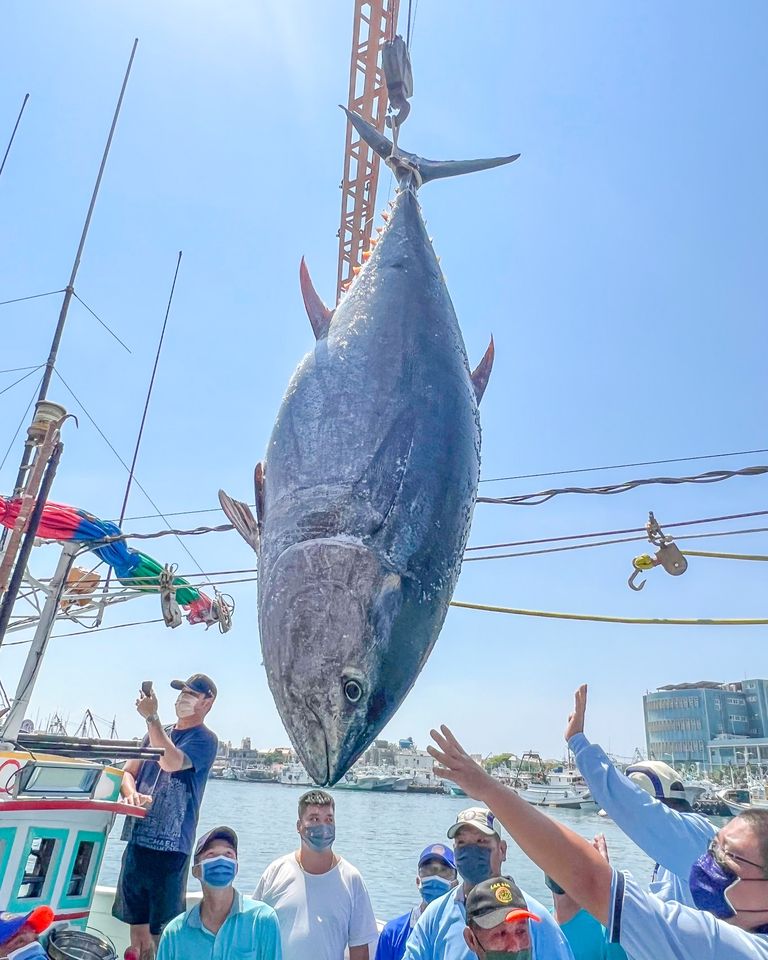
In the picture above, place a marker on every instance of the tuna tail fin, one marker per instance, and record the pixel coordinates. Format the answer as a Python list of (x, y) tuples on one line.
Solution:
[(426, 169)]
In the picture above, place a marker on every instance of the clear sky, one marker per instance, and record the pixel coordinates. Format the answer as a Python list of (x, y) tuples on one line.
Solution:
[(620, 264)]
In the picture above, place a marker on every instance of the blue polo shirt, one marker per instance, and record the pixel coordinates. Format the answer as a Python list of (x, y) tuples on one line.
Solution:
[(674, 840), (250, 931), (650, 928), (439, 934), (588, 939), (394, 936)]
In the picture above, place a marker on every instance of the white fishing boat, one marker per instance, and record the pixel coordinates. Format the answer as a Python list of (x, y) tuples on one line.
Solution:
[(564, 788), (294, 775)]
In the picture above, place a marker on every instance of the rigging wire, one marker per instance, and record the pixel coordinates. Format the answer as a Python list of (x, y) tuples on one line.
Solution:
[(33, 297), (608, 543), (109, 444), (13, 134), (11, 385), (17, 369), (622, 466), (97, 317), (21, 423), (536, 499), (612, 533)]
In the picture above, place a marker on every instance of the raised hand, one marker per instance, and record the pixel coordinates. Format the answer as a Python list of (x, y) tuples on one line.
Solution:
[(576, 719), (456, 764)]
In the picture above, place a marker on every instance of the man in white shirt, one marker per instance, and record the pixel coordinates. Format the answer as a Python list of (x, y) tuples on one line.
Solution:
[(321, 902)]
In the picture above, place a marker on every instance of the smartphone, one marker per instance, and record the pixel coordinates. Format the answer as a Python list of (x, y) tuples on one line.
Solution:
[(146, 688)]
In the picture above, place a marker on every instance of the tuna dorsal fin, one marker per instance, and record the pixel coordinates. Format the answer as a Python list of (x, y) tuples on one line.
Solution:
[(482, 371), (240, 516), (258, 487), (319, 315)]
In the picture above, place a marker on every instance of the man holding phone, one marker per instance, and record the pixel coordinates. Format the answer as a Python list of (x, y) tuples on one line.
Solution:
[(153, 876)]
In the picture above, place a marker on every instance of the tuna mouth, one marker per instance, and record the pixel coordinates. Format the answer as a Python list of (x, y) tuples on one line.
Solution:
[(318, 764)]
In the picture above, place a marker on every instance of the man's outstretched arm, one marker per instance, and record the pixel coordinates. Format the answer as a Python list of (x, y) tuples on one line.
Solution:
[(569, 859)]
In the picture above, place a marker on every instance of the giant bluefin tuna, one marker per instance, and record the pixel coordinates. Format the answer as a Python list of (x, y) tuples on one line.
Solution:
[(365, 496)]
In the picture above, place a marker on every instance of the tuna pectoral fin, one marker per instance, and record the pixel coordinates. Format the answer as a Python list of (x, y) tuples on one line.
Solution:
[(482, 371), (427, 169), (319, 315), (239, 514)]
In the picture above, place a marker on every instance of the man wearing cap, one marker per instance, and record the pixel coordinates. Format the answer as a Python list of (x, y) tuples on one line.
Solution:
[(479, 852), (498, 920), (648, 804), (223, 926), (435, 876), (729, 883), (19, 933), (153, 875)]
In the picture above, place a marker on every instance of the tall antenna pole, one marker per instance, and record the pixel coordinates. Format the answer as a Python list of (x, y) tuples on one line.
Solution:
[(16, 127), (70, 288)]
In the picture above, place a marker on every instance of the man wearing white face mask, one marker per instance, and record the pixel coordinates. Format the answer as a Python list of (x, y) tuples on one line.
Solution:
[(153, 876), (224, 925)]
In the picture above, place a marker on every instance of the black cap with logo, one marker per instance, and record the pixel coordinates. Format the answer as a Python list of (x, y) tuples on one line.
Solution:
[(496, 901)]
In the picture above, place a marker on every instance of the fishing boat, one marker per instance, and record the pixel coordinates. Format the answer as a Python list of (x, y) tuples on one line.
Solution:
[(562, 787)]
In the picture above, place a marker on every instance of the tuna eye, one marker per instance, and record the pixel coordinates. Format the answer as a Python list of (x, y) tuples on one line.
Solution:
[(352, 691)]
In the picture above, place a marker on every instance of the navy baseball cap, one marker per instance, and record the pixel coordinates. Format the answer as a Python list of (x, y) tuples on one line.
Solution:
[(218, 833), (438, 851), (198, 682)]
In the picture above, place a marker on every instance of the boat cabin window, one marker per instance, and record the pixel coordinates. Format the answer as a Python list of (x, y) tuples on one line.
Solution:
[(36, 869), (79, 873)]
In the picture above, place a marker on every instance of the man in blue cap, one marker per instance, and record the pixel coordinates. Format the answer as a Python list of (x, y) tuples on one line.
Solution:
[(224, 925), (479, 852), (435, 876), (153, 875)]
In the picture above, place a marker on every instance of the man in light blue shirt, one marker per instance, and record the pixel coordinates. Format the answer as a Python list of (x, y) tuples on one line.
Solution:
[(661, 823), (479, 852), (729, 883), (224, 925)]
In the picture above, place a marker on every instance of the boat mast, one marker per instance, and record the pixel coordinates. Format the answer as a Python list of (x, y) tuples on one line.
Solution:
[(70, 288)]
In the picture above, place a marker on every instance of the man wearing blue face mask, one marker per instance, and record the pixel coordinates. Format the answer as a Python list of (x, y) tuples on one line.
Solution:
[(479, 852), (224, 925), (728, 883), (320, 899), (436, 875)]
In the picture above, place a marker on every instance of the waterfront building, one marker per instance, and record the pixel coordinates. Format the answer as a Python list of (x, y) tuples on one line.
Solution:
[(707, 722)]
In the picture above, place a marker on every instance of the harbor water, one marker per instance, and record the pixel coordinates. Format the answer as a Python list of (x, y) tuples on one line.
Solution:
[(382, 834)]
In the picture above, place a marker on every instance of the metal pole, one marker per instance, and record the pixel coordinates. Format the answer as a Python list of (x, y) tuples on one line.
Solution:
[(14, 584), (39, 643), (16, 127), (70, 288)]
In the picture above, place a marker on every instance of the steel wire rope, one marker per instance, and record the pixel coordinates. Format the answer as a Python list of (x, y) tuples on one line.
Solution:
[(109, 444), (15, 382), (611, 533), (598, 618), (18, 369), (34, 296), (622, 466), (21, 422), (536, 499), (97, 317), (607, 543)]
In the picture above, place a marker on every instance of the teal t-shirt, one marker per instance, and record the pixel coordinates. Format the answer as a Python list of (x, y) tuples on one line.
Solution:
[(587, 938), (250, 930)]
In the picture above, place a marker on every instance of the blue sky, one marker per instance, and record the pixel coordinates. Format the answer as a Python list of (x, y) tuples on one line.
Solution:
[(619, 264)]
